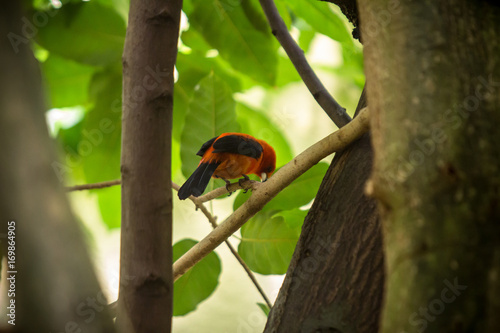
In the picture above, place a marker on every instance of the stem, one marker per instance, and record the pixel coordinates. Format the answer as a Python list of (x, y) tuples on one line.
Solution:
[(279, 29)]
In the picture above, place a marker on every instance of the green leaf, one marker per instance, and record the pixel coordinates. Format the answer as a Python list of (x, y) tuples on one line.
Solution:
[(198, 283), (320, 16), (286, 72), (67, 81), (192, 67), (299, 193), (176, 157), (267, 243), (120, 6), (264, 308), (293, 218), (306, 36), (211, 112), (86, 32), (226, 27), (100, 142), (253, 13), (258, 124), (109, 201)]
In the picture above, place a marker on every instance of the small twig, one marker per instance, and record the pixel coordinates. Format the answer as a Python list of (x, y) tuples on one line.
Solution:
[(93, 186), (268, 190), (199, 205), (296, 55)]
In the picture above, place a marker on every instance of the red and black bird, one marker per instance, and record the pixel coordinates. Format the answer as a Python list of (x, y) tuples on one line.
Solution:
[(229, 156)]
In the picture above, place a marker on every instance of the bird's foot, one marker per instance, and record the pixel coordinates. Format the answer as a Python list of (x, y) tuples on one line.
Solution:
[(227, 186), (241, 180)]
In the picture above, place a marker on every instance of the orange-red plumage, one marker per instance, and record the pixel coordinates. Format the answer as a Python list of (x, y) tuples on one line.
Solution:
[(229, 156)]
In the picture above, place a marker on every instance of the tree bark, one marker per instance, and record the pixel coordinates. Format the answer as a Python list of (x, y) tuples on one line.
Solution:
[(145, 300), (335, 280), (51, 280), (433, 84)]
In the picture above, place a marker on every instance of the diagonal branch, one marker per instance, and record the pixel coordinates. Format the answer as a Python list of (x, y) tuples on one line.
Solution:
[(279, 29), (268, 190)]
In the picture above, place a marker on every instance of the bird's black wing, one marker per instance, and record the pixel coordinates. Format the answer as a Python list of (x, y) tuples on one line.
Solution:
[(238, 144), (205, 146)]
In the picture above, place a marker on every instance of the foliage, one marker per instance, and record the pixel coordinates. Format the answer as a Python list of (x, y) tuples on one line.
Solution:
[(198, 283), (226, 51)]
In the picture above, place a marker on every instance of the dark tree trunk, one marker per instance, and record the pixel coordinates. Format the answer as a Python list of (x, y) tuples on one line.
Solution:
[(335, 280), (53, 283), (145, 301), (433, 73)]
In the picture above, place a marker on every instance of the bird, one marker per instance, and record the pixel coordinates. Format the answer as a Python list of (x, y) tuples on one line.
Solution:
[(230, 156)]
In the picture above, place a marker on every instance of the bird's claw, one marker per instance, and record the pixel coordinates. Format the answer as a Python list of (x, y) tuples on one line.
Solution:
[(241, 180), (227, 187)]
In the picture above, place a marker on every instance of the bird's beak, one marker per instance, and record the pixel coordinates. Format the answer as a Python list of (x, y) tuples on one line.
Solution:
[(263, 176)]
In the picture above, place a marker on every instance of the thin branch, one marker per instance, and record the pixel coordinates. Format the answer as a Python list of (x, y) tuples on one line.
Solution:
[(93, 186), (296, 55), (268, 190), (199, 204)]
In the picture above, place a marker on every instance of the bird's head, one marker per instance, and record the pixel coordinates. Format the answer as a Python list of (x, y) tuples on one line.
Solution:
[(268, 162)]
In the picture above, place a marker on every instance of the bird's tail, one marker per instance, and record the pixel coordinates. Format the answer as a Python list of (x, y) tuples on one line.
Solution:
[(198, 181)]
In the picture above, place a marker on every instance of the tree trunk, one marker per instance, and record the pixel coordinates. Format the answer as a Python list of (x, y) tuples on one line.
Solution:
[(51, 278), (433, 84), (335, 280), (145, 301)]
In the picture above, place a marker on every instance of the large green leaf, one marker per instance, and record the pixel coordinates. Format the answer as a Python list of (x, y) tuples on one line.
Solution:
[(67, 81), (211, 112), (109, 202), (120, 6), (299, 193), (198, 283), (87, 32), (320, 16), (286, 72), (260, 126), (100, 142), (101, 131), (268, 241), (226, 27), (192, 67)]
